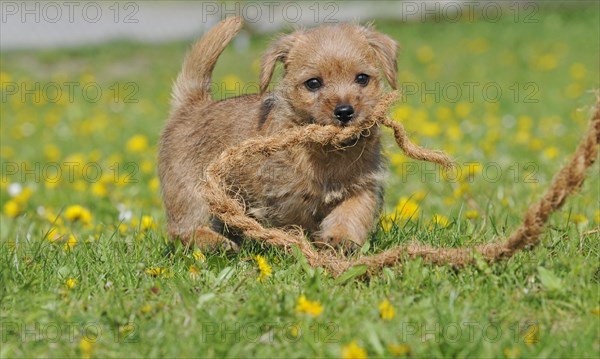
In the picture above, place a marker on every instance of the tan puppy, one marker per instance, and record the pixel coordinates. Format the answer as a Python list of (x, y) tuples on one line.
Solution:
[(331, 77)]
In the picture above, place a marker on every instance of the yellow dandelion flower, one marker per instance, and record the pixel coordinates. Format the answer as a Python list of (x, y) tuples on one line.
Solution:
[(137, 143), (407, 209), (11, 208), (263, 267), (309, 307), (70, 243), (147, 223), (194, 272), (596, 311), (155, 271), (536, 144), (154, 184), (23, 196), (198, 255), (77, 213), (547, 62), (472, 214), (53, 235), (147, 166), (86, 347), (439, 220), (145, 309), (232, 84), (353, 351), (387, 221), (425, 54), (597, 216), (399, 349), (577, 71), (551, 152), (429, 129), (579, 218), (511, 353), (574, 90), (386, 310), (478, 45), (52, 152), (402, 113), (462, 109), (99, 189), (71, 283)]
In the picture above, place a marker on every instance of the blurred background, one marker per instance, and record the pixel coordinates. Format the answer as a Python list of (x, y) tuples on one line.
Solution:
[(504, 87)]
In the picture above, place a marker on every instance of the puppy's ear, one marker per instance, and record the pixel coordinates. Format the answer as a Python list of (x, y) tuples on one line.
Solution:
[(278, 51), (386, 51)]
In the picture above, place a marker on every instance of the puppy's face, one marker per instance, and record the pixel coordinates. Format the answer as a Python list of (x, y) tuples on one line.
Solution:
[(332, 74)]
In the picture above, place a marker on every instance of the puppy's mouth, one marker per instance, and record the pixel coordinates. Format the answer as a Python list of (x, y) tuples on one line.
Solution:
[(352, 141)]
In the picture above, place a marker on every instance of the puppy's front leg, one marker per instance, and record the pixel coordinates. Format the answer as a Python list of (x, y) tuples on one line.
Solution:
[(348, 225)]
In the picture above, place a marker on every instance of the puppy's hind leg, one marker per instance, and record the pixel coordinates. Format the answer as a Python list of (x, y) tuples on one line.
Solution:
[(207, 240)]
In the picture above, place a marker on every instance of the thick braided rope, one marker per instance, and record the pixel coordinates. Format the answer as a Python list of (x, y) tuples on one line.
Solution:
[(231, 211)]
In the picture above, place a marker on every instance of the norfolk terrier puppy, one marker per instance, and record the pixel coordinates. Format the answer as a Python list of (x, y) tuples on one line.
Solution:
[(332, 75)]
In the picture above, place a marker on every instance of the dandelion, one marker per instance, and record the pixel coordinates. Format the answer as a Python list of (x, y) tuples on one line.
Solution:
[(430, 129), (547, 62), (440, 221), (147, 308), (387, 221), (263, 267), (425, 54), (478, 45), (386, 310), (472, 214), (579, 218), (305, 306), (147, 166), (11, 208), (154, 184), (147, 223), (194, 272), (77, 213), (597, 216), (596, 311), (577, 71), (198, 255), (574, 90), (70, 243), (231, 82), (137, 143), (98, 189), (51, 152), (401, 113), (407, 208), (71, 283), (353, 351), (463, 109), (86, 347), (155, 271), (399, 349), (551, 152), (511, 353)]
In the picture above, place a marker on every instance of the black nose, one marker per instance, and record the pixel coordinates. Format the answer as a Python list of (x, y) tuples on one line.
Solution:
[(343, 113)]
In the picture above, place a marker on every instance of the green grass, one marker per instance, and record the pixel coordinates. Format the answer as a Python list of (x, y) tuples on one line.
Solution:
[(541, 303)]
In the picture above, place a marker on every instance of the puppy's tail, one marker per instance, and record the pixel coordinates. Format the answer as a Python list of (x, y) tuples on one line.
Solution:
[(193, 83)]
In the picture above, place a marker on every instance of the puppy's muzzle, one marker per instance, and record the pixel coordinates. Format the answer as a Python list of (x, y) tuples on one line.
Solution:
[(344, 113)]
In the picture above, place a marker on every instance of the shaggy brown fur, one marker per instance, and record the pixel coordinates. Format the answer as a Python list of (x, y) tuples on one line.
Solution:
[(334, 194)]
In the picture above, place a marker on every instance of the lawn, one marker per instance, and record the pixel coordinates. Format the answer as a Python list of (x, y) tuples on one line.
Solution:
[(87, 270)]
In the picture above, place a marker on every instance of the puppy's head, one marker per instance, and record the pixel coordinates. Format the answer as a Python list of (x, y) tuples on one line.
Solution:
[(332, 74)]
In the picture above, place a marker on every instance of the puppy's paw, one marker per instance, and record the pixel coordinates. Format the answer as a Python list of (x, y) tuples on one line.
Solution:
[(340, 239)]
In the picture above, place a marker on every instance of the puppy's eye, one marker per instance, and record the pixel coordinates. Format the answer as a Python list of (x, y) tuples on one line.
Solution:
[(313, 84), (362, 79)]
